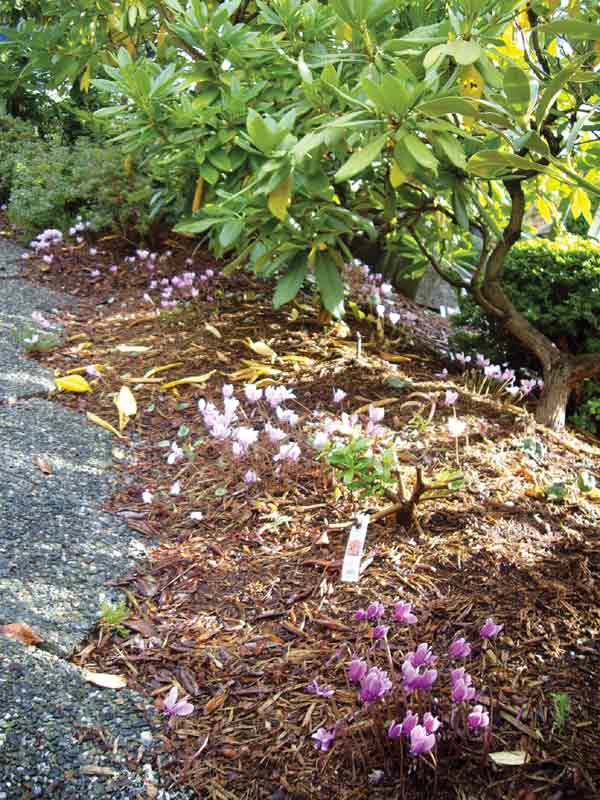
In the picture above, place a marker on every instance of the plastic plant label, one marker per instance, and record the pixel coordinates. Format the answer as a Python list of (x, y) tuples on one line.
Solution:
[(354, 549)]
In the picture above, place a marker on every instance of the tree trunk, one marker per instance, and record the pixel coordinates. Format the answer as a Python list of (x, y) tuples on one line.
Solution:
[(558, 385)]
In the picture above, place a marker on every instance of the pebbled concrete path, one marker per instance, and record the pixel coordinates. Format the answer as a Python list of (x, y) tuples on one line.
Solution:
[(60, 736)]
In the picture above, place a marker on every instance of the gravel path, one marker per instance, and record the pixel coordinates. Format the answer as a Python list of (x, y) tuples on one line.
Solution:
[(60, 736)]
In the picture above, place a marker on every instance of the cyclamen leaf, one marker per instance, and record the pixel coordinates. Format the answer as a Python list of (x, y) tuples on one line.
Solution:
[(361, 159)]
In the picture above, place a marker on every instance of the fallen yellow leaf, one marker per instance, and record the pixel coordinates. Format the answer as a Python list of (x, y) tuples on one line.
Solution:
[(103, 424), (377, 403), (104, 679), (132, 348), (73, 383), (126, 402), (215, 331), (261, 349), (191, 380), (164, 368)]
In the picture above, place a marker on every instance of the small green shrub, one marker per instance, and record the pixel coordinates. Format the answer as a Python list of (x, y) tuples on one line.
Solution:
[(15, 134), (556, 284), (49, 183)]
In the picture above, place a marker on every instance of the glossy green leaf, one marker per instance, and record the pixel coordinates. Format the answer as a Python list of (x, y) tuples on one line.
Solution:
[(448, 105), (516, 87), (290, 284), (420, 152), (361, 159), (330, 284)]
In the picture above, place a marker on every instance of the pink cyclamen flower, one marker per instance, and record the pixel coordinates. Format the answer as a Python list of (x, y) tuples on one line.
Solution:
[(175, 489), (40, 320), (380, 632), (402, 613), (227, 390), (175, 453), (420, 741), (356, 670), (380, 310), (375, 610), (147, 496), (92, 371), (456, 427), (338, 395), (409, 722), (174, 707), (394, 317), (251, 393), (288, 452), (462, 691), (478, 718), (394, 730), (251, 477), (374, 685), (376, 414), (321, 691), (422, 655), (275, 434), (360, 615), (417, 678), (430, 723), (320, 440), (450, 398), (489, 629), (323, 739), (459, 648)]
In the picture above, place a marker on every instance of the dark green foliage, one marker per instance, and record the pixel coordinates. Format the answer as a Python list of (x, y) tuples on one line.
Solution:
[(556, 284), (47, 184), (15, 135)]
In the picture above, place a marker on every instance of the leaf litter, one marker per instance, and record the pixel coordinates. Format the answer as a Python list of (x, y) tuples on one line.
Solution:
[(243, 608)]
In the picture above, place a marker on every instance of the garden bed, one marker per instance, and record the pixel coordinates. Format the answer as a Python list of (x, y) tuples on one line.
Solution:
[(242, 607)]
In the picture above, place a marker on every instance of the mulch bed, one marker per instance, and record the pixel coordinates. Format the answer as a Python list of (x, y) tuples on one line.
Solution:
[(243, 608)]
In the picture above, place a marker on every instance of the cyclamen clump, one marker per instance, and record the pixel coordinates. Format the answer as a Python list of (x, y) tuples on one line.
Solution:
[(46, 239), (372, 290), (188, 285), (500, 375), (379, 689)]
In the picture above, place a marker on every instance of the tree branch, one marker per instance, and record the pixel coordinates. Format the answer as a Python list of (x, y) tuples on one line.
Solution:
[(452, 280)]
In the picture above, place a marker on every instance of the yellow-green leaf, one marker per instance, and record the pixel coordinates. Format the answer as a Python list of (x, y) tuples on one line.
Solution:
[(73, 383), (544, 208), (580, 204), (397, 177), (280, 198)]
